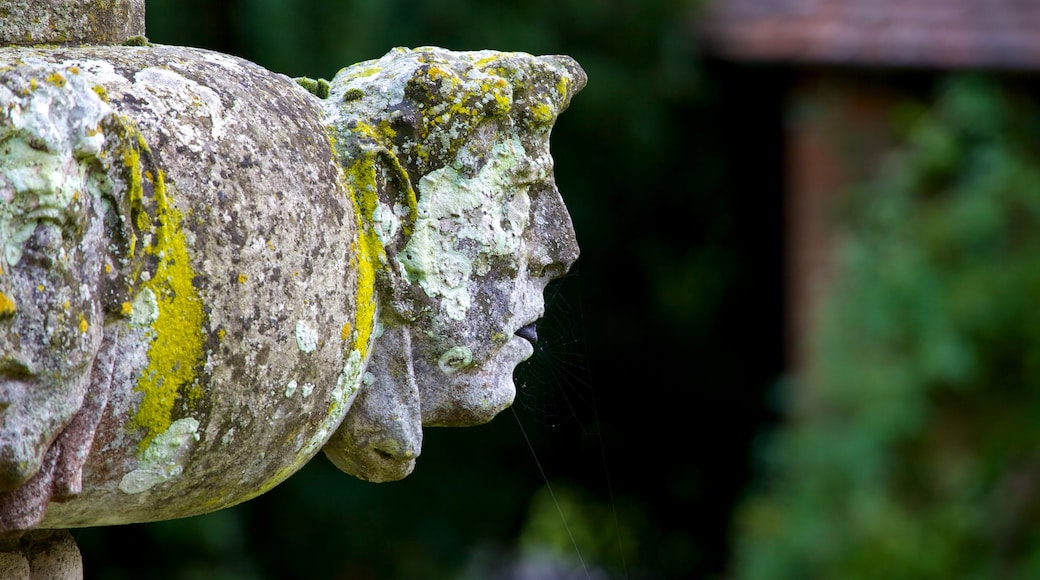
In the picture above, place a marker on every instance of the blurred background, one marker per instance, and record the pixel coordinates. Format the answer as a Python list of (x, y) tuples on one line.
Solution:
[(799, 342)]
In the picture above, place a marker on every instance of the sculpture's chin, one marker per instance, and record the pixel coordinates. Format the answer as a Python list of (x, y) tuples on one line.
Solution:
[(475, 397)]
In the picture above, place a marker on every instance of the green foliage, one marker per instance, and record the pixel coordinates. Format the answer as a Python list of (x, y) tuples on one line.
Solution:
[(564, 517), (913, 453)]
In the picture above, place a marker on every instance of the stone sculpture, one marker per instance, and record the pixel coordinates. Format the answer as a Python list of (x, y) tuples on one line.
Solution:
[(209, 273), (448, 154)]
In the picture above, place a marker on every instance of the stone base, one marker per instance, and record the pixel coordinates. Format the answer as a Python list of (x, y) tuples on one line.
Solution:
[(39, 555)]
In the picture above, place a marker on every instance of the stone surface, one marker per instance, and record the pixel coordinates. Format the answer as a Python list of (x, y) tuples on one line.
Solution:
[(204, 264), (71, 22), (15, 566), (448, 155), (40, 555), (196, 200), (53, 554)]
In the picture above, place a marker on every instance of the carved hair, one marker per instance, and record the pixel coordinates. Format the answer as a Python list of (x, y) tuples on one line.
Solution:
[(438, 98), (412, 112)]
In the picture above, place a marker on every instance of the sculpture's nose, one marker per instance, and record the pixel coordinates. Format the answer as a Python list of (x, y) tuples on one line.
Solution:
[(552, 244), (381, 436), (390, 458)]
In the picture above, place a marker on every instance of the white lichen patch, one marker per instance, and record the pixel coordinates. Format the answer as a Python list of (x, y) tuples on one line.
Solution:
[(464, 223), (164, 458), (340, 400), (349, 381), (170, 89), (455, 359), (307, 389), (386, 222), (145, 308), (306, 337), (49, 120), (290, 389)]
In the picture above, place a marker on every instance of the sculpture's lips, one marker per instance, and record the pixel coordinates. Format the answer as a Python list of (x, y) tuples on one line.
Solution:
[(529, 333)]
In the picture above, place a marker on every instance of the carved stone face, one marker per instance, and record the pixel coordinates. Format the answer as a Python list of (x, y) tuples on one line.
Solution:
[(471, 239), (51, 320), (484, 245), (49, 338)]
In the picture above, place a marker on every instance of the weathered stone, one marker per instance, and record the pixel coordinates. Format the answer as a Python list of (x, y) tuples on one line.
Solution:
[(15, 566), (70, 22), (40, 555), (196, 201), (208, 271), (198, 255), (448, 155), (53, 554)]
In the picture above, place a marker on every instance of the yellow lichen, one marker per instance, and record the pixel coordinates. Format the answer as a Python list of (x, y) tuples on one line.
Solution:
[(55, 79), (562, 86), (361, 185), (84, 326), (484, 62), (386, 131), (177, 339), (344, 332), (7, 306), (439, 74), (242, 278), (542, 113), (367, 72), (135, 193)]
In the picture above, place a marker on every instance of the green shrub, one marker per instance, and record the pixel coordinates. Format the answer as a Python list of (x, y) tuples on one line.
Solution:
[(914, 451)]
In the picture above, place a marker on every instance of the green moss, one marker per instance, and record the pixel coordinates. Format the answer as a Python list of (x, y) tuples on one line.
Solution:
[(137, 40), (316, 87)]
